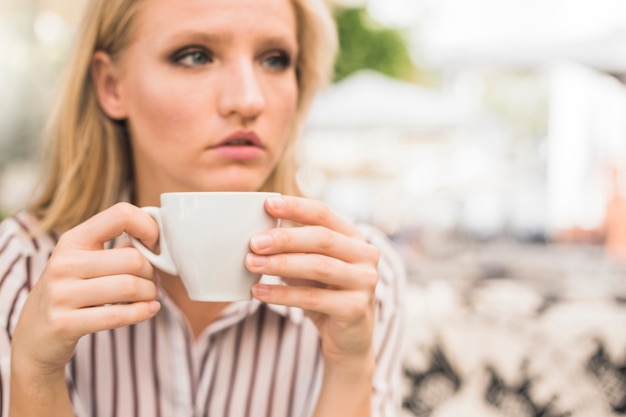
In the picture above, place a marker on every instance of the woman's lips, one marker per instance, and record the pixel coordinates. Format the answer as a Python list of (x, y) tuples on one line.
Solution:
[(240, 146)]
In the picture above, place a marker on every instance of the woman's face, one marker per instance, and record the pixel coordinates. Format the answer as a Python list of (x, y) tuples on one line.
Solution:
[(209, 90)]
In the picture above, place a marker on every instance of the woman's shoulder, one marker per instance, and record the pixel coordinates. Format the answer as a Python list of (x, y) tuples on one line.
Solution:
[(388, 250), (19, 239), (391, 269), (24, 254)]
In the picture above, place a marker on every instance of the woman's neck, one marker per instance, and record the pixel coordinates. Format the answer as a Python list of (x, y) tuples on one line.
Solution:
[(199, 314)]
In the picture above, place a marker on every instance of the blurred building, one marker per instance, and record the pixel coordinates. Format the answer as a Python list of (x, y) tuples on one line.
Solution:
[(398, 154), (557, 93)]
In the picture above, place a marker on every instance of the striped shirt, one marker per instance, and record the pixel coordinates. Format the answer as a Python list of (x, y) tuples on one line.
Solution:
[(254, 360)]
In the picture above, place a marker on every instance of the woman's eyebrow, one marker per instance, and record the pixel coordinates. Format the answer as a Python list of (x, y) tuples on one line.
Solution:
[(278, 41), (286, 42), (201, 37)]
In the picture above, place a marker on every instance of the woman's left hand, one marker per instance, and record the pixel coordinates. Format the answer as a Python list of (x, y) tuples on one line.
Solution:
[(331, 271)]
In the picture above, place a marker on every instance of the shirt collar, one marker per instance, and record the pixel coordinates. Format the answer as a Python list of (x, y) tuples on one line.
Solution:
[(239, 310)]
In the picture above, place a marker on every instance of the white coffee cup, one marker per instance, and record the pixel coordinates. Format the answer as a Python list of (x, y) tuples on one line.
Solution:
[(205, 237)]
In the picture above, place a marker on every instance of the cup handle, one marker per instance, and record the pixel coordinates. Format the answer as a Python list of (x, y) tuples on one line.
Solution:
[(163, 261)]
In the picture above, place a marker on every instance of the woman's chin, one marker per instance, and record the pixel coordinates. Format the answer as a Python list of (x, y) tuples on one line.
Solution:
[(233, 187)]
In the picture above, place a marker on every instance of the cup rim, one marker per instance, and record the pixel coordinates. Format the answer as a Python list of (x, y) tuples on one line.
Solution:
[(198, 193)]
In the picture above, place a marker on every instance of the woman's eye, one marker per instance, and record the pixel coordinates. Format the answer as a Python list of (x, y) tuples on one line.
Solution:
[(193, 58), (278, 61)]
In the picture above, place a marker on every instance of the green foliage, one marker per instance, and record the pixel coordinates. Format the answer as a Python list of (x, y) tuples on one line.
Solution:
[(365, 45)]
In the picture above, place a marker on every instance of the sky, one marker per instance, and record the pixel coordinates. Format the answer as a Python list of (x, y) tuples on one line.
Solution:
[(443, 27), (547, 17)]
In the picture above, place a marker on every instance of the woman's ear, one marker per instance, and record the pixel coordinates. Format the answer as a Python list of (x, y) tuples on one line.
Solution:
[(108, 89)]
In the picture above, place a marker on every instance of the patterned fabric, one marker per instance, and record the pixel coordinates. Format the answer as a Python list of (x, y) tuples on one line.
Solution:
[(254, 360), (489, 344)]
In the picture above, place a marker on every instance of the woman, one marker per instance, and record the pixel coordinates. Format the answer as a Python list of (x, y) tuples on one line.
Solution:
[(194, 95)]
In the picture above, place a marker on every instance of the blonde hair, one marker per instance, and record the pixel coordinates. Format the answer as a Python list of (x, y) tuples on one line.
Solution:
[(88, 164)]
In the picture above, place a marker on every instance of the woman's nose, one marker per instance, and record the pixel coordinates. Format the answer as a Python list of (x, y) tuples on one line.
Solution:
[(241, 93)]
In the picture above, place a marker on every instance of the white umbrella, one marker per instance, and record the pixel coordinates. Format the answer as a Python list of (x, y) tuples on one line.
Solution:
[(368, 99)]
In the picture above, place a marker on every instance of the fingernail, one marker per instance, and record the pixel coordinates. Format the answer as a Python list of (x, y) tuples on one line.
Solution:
[(261, 241), (154, 306), (256, 260), (276, 202), (260, 290)]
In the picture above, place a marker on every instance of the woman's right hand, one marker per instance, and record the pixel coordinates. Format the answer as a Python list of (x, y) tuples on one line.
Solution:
[(86, 288)]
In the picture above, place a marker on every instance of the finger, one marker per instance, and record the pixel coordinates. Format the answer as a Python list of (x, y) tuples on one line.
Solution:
[(95, 319), (313, 239), (319, 268), (115, 289), (76, 294), (109, 224), (90, 264), (309, 212), (343, 305), (299, 282)]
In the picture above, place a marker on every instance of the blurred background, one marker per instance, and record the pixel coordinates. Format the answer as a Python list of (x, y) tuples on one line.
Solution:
[(484, 118), (487, 139)]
